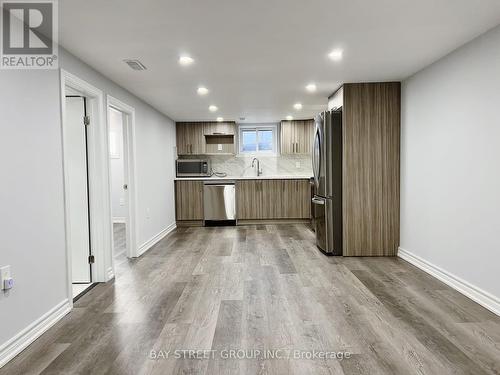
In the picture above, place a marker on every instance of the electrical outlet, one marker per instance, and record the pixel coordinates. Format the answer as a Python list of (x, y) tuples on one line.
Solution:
[(219, 147), (6, 281), (297, 164)]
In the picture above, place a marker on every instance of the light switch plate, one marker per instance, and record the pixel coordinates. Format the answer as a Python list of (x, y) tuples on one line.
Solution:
[(8, 283), (5, 276), (219, 147)]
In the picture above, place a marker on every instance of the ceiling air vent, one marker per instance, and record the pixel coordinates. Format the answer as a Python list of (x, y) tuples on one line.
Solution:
[(135, 64)]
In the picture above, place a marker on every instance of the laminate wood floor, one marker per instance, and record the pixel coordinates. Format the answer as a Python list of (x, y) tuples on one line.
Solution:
[(119, 243), (266, 287)]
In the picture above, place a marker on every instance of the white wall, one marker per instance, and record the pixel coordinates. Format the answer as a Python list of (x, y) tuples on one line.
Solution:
[(31, 197), (450, 174), (32, 225), (155, 142), (116, 165)]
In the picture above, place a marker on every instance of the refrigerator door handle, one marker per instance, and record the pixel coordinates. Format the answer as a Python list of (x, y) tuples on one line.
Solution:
[(316, 154), (318, 201)]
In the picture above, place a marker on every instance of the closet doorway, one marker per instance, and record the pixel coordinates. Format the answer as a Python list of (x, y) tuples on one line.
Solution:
[(121, 148)]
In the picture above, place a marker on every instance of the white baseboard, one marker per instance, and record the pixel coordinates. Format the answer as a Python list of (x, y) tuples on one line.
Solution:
[(110, 273), (476, 294), (20, 341), (155, 239), (118, 220)]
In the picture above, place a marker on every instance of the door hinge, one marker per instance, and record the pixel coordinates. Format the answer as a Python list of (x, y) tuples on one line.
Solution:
[(86, 120), (91, 259)]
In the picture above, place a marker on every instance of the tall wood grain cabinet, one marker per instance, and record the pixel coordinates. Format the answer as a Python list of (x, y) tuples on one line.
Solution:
[(370, 188), (296, 137)]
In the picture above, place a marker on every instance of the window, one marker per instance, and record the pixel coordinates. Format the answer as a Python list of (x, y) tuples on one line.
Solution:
[(258, 139)]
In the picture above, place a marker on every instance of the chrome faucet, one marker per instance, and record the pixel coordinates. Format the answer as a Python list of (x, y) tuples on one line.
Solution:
[(259, 171)]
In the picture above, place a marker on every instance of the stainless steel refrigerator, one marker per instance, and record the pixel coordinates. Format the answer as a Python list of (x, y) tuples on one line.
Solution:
[(327, 170)]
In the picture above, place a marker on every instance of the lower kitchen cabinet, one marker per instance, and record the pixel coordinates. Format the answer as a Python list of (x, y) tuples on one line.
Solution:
[(189, 200), (296, 199), (273, 199)]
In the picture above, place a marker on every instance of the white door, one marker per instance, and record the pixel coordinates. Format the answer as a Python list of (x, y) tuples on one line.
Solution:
[(79, 233)]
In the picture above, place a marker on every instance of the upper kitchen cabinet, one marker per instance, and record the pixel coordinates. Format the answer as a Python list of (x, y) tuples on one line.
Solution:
[(219, 137), (297, 137), (218, 128), (205, 138), (190, 138)]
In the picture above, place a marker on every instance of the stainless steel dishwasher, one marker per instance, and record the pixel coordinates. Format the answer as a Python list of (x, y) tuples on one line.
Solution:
[(219, 205)]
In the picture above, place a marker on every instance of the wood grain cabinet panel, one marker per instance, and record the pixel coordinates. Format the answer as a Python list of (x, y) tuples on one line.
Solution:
[(249, 199), (296, 137), (189, 200), (271, 196), (273, 199), (287, 138), (219, 128), (182, 141), (304, 197), (296, 199), (190, 138), (371, 142), (200, 138)]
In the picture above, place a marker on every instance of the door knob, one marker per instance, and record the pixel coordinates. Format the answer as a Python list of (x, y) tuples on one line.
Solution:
[(125, 187)]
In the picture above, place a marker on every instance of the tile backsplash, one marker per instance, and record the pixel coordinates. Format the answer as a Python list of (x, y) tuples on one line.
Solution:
[(241, 166)]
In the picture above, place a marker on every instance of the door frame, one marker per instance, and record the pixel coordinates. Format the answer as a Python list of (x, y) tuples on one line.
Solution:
[(98, 172), (77, 94), (129, 151)]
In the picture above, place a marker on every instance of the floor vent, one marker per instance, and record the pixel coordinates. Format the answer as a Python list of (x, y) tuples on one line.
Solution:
[(135, 64)]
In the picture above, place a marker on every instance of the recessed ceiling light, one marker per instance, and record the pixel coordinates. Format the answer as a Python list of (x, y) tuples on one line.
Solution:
[(289, 118), (220, 119), (185, 60), (311, 87), (213, 108), (202, 90), (336, 55), (297, 106)]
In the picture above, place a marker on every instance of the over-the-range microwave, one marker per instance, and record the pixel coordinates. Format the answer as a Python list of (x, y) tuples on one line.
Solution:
[(193, 168)]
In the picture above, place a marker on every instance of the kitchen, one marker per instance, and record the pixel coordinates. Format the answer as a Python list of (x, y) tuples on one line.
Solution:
[(250, 187), (338, 172)]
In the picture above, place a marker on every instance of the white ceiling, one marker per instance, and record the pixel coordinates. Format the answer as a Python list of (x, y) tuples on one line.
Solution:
[(256, 56)]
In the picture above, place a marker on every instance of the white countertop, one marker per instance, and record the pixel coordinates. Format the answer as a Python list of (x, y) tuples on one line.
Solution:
[(271, 177)]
